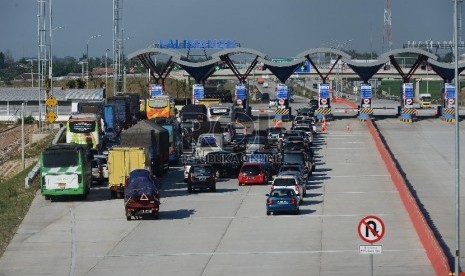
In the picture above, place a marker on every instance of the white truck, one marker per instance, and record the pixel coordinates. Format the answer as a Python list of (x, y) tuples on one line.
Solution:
[(209, 142), (424, 100)]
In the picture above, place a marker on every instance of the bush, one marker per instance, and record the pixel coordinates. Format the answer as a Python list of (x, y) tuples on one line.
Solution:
[(27, 120)]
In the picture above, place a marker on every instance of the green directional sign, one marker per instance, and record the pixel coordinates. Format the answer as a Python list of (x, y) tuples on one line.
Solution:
[(282, 60)]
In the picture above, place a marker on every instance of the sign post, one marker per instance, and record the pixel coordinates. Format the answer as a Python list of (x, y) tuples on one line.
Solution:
[(156, 90), (241, 94), (197, 93), (371, 229)]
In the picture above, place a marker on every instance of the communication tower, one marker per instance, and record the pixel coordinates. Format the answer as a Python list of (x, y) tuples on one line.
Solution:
[(387, 37), (118, 58)]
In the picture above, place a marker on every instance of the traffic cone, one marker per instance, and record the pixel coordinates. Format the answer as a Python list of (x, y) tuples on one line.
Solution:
[(323, 127)]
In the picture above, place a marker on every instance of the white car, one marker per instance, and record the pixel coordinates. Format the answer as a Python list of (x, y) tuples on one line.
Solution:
[(265, 85), (273, 103), (290, 181)]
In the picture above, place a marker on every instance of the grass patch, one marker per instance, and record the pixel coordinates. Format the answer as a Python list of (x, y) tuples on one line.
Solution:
[(14, 204)]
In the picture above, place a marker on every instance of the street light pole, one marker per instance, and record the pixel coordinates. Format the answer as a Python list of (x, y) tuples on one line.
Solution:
[(87, 56), (106, 70)]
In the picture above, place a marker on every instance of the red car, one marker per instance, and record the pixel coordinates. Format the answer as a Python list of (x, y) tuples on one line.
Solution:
[(252, 173)]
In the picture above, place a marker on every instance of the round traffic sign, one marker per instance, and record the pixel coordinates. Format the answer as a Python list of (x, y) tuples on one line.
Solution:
[(371, 229), (281, 101), (450, 101), (324, 101), (239, 101), (408, 101), (366, 101)]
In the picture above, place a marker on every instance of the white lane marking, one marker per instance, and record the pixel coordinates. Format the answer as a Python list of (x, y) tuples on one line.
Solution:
[(250, 253), (365, 175)]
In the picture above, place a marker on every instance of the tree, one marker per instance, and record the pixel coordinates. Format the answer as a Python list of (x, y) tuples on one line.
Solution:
[(2, 60)]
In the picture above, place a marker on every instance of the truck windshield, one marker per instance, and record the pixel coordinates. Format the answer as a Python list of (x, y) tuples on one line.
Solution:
[(54, 159), (82, 126), (158, 103), (426, 99), (293, 158)]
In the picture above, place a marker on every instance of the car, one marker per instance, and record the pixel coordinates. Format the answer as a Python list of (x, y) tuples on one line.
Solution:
[(303, 158), (282, 201), (103, 159), (228, 132), (291, 169), (252, 173), (291, 182), (226, 164), (308, 130), (273, 103), (201, 176), (256, 143), (305, 111), (265, 85), (97, 171), (188, 162), (314, 104), (265, 97)]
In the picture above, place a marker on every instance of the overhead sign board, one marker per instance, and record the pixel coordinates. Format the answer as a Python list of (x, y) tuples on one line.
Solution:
[(197, 43), (304, 68), (323, 90), (365, 91), (281, 91), (156, 90), (282, 60), (198, 91), (371, 229), (240, 92)]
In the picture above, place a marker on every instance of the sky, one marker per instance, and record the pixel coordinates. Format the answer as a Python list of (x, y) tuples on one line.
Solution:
[(278, 28)]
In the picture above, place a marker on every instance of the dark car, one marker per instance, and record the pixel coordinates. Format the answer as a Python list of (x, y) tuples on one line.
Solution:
[(305, 111), (141, 194), (225, 163), (265, 97), (201, 176), (282, 201), (313, 104)]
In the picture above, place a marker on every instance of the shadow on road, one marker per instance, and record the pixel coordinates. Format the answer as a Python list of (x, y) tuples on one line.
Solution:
[(176, 214)]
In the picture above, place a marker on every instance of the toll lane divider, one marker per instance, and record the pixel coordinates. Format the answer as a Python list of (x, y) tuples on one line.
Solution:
[(431, 243), (429, 240)]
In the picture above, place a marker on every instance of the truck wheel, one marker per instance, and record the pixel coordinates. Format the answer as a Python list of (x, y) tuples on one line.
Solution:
[(112, 194), (47, 197), (189, 188), (128, 218), (268, 213), (213, 188), (155, 215)]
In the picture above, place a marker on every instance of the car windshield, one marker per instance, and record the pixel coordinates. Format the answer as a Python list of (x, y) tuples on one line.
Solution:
[(289, 168), (302, 128), (202, 170), (282, 192), (250, 169), (294, 146), (293, 158), (284, 182)]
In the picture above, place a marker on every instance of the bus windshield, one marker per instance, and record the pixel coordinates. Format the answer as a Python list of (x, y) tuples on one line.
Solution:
[(82, 126), (426, 98), (158, 103), (54, 159)]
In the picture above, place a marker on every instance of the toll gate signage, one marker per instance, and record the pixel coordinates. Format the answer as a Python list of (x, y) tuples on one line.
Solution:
[(197, 43), (407, 89), (304, 68), (323, 89), (198, 91), (366, 91), (449, 90), (281, 91), (240, 92), (156, 90)]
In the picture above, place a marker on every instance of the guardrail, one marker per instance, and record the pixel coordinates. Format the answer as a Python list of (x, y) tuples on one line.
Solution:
[(35, 170)]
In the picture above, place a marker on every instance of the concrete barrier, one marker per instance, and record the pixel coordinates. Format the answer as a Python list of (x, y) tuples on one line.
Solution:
[(432, 246), (35, 170)]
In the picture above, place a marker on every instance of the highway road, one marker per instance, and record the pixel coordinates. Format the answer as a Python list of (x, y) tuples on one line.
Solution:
[(228, 232)]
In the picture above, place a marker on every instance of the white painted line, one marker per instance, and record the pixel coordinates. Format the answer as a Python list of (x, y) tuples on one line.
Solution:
[(364, 175)]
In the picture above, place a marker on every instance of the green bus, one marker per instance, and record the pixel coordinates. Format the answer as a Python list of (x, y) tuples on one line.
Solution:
[(65, 170)]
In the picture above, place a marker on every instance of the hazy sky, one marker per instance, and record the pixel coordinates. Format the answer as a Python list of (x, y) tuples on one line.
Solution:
[(279, 28)]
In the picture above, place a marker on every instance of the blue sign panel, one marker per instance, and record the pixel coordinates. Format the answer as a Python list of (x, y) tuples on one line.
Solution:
[(281, 91), (304, 68), (324, 90), (198, 91), (156, 90), (365, 91), (240, 92), (197, 43), (407, 89), (449, 90)]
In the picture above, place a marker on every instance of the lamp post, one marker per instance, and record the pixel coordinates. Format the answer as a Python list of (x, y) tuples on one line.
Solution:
[(32, 73), (50, 65), (106, 69), (87, 56)]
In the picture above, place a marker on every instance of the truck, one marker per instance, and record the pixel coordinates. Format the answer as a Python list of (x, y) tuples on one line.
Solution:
[(175, 142), (207, 143), (424, 100), (194, 112), (121, 162), (134, 103), (122, 111), (192, 130), (154, 139), (91, 107)]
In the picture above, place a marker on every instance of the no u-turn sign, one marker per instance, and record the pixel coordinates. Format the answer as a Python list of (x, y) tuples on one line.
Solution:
[(371, 229)]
